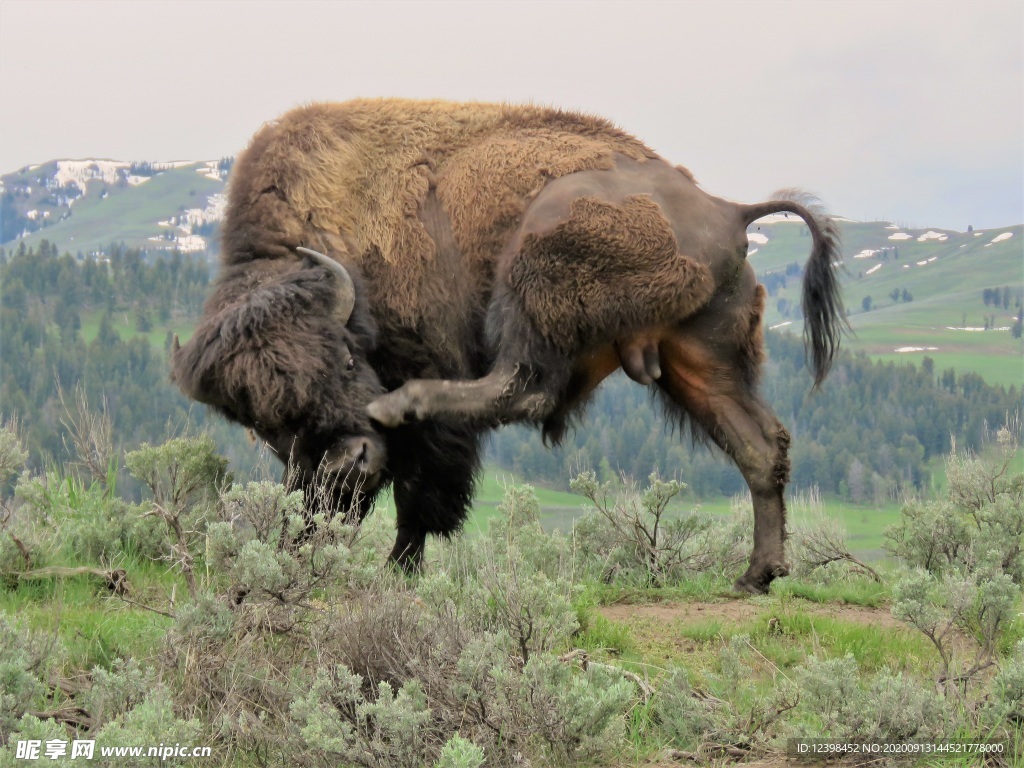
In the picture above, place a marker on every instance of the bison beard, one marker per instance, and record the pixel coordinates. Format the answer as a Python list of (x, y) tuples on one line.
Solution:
[(484, 264)]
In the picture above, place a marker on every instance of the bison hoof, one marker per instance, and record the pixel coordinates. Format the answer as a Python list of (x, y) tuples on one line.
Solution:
[(402, 406), (387, 410), (757, 579)]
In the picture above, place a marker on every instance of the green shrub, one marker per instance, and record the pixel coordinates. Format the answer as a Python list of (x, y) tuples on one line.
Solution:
[(337, 721), (25, 659), (634, 537), (840, 703), (577, 716), (152, 722), (684, 719), (980, 521), (261, 544), (517, 581), (184, 476), (12, 453), (82, 522), (30, 728), (1008, 688), (818, 544), (460, 753), (116, 691)]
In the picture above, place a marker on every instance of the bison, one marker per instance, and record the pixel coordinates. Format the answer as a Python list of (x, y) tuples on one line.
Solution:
[(399, 277)]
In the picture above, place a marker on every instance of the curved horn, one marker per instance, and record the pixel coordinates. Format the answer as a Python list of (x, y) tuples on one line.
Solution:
[(346, 288)]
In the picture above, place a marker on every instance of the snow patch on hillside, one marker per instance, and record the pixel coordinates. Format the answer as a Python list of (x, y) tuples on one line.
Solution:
[(873, 269), (867, 253), (216, 205), (932, 235), (900, 236), (190, 243), (757, 237), (211, 170), (968, 328), (1000, 238), (916, 349), (780, 325), (81, 172)]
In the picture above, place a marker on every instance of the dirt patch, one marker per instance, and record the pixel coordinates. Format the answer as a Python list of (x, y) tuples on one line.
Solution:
[(732, 610)]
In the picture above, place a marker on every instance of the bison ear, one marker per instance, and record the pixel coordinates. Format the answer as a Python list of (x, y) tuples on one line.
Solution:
[(346, 288)]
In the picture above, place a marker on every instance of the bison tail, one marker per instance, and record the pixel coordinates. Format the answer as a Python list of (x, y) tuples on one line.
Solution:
[(824, 316)]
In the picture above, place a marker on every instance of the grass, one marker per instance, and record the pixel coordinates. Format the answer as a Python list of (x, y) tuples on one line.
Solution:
[(864, 523), (864, 592), (558, 508), (701, 587), (92, 627), (797, 634), (124, 324)]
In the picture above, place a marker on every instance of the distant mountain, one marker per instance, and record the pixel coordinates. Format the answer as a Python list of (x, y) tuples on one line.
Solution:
[(910, 293), (85, 205)]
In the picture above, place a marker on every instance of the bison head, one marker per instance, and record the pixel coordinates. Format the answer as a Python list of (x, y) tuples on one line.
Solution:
[(282, 349)]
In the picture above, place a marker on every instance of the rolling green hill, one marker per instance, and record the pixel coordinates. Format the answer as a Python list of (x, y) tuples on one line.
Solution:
[(926, 291), (84, 206)]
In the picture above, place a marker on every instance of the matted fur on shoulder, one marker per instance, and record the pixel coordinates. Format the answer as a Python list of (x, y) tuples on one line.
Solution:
[(359, 172)]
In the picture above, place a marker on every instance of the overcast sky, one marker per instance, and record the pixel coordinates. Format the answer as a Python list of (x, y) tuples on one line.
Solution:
[(909, 111)]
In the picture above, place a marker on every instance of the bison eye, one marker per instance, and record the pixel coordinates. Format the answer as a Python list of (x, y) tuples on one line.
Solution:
[(351, 364)]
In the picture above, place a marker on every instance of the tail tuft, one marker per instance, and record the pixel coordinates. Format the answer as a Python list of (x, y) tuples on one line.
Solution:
[(824, 316)]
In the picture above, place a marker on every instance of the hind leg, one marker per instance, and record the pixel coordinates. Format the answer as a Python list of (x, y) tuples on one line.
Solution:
[(713, 394), (510, 392)]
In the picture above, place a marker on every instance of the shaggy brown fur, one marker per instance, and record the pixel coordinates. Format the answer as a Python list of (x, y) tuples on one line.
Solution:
[(604, 271), (361, 171), (274, 320)]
